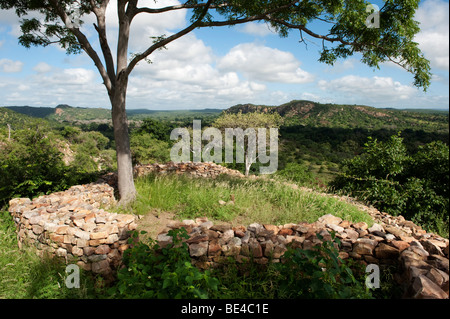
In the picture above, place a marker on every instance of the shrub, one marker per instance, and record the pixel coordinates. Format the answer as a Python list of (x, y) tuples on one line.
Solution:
[(319, 273), (154, 272), (413, 185)]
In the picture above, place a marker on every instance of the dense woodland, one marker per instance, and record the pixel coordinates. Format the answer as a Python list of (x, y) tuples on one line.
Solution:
[(396, 160)]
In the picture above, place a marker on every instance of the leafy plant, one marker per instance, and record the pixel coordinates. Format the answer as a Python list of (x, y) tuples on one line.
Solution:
[(154, 272), (414, 185), (319, 273)]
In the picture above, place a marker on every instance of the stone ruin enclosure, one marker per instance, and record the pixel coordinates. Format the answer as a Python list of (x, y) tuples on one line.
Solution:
[(75, 224)]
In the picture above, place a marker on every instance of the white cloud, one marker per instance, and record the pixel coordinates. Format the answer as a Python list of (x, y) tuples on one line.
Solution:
[(257, 29), (10, 66), (433, 38), (375, 90), (261, 63), (42, 67)]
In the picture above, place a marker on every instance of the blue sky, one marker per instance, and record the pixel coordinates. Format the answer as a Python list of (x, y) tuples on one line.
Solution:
[(221, 67)]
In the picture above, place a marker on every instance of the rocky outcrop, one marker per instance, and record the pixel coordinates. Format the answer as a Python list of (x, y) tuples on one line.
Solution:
[(74, 225)]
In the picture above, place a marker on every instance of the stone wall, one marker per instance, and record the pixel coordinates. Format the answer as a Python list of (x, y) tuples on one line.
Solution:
[(422, 258), (74, 224), (199, 169)]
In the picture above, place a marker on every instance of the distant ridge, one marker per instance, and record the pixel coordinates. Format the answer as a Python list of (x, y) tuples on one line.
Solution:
[(309, 113)]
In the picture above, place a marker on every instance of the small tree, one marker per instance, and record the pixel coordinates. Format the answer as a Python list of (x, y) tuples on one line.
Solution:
[(348, 33), (240, 121)]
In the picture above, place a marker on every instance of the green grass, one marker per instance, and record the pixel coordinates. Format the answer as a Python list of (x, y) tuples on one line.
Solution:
[(259, 201), (24, 275)]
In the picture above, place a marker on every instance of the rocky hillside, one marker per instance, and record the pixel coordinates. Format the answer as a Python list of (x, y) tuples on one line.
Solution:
[(314, 114)]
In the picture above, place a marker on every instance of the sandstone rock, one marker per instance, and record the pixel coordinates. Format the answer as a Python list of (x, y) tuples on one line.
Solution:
[(101, 267), (335, 227), (384, 251), (431, 247), (271, 228), (352, 234), (438, 276), (330, 219), (360, 225), (285, 232), (424, 288), (197, 250), (401, 245), (364, 246), (214, 249)]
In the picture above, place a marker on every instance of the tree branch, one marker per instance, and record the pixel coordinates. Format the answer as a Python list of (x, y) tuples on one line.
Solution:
[(85, 44), (167, 40), (100, 13), (179, 7)]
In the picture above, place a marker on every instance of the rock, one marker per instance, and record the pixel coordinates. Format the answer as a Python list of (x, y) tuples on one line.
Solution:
[(197, 239), (401, 245), (214, 249), (431, 247), (438, 276), (227, 235), (364, 246), (197, 250), (272, 228), (424, 288), (352, 234), (383, 251), (285, 232), (376, 227), (360, 225), (330, 219), (101, 267), (335, 227)]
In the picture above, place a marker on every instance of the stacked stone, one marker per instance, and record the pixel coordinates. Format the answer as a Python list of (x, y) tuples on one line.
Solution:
[(72, 225), (423, 261), (198, 169)]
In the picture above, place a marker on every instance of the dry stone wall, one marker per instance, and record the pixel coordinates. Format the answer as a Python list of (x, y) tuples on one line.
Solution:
[(74, 225), (422, 258), (198, 169)]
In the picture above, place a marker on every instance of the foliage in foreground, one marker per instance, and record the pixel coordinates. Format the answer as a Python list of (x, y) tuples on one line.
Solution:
[(154, 272), (415, 185)]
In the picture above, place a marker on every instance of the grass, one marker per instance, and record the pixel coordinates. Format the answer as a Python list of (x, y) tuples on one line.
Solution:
[(262, 201), (24, 275)]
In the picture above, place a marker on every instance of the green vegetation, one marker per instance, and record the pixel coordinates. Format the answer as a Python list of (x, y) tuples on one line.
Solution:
[(151, 272), (154, 272), (25, 275), (415, 185), (255, 200), (40, 159)]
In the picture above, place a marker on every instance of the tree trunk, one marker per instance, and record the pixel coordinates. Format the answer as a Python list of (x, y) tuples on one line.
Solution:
[(127, 190)]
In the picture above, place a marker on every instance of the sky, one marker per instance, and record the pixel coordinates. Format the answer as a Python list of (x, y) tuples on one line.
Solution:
[(220, 67)]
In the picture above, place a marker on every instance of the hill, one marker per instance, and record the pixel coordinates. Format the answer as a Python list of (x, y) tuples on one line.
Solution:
[(17, 120), (71, 114), (312, 114)]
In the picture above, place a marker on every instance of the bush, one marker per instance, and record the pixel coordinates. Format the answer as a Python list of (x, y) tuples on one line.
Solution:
[(319, 273), (413, 185), (154, 272), (31, 164)]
